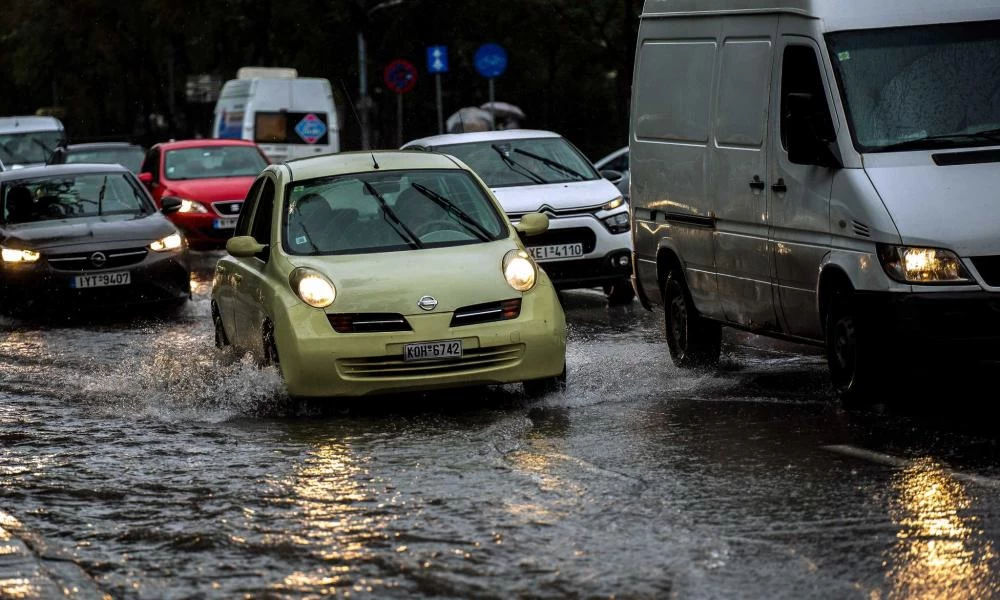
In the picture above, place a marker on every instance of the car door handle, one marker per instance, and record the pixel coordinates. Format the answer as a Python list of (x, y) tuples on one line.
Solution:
[(779, 187), (756, 183)]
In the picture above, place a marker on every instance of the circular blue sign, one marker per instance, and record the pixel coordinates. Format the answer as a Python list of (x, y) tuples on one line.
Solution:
[(491, 60)]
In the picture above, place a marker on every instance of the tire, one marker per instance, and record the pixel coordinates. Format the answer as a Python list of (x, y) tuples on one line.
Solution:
[(693, 340), (542, 387), (221, 339), (620, 292), (850, 352)]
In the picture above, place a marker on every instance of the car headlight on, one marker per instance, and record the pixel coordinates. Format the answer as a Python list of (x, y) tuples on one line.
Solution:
[(614, 204), (14, 255), (189, 206), (171, 242), (908, 264), (312, 287), (619, 223), (519, 270)]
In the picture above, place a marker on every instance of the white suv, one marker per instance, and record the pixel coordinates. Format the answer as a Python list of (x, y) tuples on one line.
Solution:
[(589, 243)]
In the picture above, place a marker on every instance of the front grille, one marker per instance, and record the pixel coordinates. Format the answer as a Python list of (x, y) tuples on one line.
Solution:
[(572, 235), (368, 323), (564, 212), (583, 270), (394, 367), (230, 208), (989, 269), (85, 261), (486, 313)]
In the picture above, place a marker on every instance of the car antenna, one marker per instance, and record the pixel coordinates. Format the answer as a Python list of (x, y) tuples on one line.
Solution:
[(354, 110)]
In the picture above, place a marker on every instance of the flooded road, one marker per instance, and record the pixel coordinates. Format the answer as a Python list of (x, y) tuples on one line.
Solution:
[(163, 468)]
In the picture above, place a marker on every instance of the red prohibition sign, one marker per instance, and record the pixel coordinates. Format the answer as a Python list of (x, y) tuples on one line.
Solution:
[(401, 76)]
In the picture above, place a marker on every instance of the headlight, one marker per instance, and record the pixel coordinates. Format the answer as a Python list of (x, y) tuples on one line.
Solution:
[(189, 206), (11, 255), (519, 270), (908, 264), (614, 204), (171, 242), (618, 223), (312, 287)]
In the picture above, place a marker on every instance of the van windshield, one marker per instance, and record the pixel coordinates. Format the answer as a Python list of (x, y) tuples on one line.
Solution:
[(926, 87), (531, 161), (389, 211), (28, 147)]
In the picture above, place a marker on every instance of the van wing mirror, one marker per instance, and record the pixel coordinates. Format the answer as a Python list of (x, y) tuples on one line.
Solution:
[(244, 246), (532, 224), (809, 135)]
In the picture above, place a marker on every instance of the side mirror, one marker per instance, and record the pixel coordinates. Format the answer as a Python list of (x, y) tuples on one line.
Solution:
[(532, 224), (613, 176), (243, 246), (58, 156), (146, 178), (809, 135), (170, 205)]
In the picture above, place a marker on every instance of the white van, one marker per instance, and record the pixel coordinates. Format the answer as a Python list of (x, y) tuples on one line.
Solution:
[(29, 141), (286, 115), (824, 171)]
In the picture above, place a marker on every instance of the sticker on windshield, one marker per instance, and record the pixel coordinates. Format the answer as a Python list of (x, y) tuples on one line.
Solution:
[(842, 56), (301, 240)]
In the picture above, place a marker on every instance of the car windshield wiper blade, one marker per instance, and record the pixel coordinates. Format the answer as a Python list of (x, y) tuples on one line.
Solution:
[(517, 167), (401, 229), (558, 166), (14, 156), (100, 197), (931, 142), (463, 217)]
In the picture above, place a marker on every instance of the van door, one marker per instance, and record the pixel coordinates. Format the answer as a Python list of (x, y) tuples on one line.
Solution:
[(800, 194), (738, 171)]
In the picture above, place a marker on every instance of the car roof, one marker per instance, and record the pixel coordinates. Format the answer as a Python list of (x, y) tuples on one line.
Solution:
[(203, 143), (481, 136), (29, 123), (103, 146), (361, 162), (57, 170)]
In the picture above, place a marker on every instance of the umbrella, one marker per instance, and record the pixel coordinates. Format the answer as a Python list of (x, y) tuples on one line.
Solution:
[(469, 119)]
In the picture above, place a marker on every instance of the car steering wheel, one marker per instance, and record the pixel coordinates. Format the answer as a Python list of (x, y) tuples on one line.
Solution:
[(437, 225), (56, 210)]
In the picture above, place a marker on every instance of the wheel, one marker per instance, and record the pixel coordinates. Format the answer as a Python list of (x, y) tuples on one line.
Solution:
[(620, 292), (270, 346), (221, 340), (542, 387), (850, 351), (693, 340)]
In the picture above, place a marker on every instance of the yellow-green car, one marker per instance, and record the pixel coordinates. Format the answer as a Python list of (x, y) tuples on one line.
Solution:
[(368, 273)]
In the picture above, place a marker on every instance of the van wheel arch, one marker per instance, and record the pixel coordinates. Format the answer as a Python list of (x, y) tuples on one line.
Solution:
[(833, 280), (668, 262)]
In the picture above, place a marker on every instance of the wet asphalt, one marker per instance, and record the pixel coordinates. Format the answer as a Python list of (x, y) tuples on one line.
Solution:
[(137, 461)]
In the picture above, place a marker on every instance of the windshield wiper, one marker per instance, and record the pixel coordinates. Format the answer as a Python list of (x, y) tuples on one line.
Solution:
[(931, 142), (463, 217), (100, 197), (48, 150), (517, 167), (401, 229), (558, 166), (14, 156)]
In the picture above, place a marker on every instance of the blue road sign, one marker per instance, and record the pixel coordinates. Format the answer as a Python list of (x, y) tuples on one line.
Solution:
[(437, 59), (491, 60)]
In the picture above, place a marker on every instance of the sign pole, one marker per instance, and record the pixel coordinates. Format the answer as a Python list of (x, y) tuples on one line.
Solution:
[(440, 105), (399, 120), (400, 77), (493, 108)]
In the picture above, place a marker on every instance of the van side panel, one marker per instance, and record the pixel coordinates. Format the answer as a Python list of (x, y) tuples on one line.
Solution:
[(671, 128)]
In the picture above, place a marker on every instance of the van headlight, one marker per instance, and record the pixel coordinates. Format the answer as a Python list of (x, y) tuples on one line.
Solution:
[(519, 270), (910, 264), (171, 242), (619, 223), (312, 287), (14, 255)]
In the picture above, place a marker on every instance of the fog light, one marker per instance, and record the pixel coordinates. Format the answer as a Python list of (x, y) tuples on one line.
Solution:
[(622, 261)]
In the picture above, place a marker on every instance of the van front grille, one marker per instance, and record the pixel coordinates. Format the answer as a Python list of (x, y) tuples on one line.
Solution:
[(989, 269), (394, 367)]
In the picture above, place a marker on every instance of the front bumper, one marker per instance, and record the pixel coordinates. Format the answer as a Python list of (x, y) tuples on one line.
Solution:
[(318, 362), (160, 277), (589, 272), (961, 322), (607, 256), (200, 229)]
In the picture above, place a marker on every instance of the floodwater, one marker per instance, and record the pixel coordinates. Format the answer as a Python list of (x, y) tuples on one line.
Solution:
[(164, 468)]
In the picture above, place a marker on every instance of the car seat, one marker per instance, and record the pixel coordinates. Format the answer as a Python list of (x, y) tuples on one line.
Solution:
[(20, 206)]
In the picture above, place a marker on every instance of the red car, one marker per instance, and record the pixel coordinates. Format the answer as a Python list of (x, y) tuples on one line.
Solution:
[(210, 178)]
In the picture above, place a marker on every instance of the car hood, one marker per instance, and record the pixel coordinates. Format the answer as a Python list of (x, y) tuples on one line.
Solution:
[(211, 190), (394, 281), (954, 207), (558, 196), (90, 230)]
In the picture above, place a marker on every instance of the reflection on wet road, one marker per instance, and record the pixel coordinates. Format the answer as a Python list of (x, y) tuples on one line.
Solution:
[(166, 469)]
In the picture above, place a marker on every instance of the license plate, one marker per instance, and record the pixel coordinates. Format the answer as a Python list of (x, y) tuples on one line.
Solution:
[(101, 280), (225, 223), (556, 251), (433, 350)]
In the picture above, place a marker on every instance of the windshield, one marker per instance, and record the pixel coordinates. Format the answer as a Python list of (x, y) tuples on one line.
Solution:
[(130, 158), (214, 161), (937, 84), (503, 163), (71, 197), (390, 211), (29, 147)]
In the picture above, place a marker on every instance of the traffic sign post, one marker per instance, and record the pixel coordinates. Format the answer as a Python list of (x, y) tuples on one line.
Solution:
[(491, 62), (437, 63), (401, 77)]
